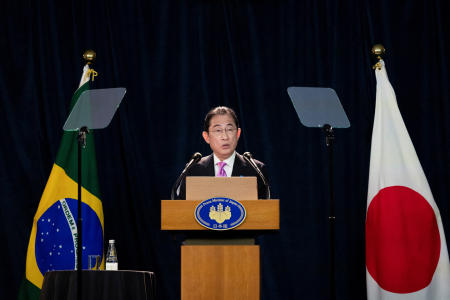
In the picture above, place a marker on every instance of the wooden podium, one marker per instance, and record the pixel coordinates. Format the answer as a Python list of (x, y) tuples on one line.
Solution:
[(220, 268)]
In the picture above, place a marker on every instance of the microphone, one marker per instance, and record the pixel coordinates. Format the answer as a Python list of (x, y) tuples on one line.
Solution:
[(249, 158), (194, 159)]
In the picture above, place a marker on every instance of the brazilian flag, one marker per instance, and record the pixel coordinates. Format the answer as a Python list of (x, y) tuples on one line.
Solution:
[(53, 240)]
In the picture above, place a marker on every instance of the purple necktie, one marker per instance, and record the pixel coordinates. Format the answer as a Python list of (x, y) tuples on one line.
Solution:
[(222, 172)]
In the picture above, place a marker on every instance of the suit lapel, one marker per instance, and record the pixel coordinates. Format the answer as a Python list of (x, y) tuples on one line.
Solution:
[(237, 166), (209, 165)]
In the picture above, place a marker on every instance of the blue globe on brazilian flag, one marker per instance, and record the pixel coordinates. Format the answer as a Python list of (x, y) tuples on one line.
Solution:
[(53, 239)]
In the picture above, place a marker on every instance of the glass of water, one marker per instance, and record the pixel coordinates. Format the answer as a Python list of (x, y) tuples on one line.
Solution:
[(94, 262)]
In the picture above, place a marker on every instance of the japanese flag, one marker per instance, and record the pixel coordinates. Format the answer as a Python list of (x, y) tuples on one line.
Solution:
[(406, 251)]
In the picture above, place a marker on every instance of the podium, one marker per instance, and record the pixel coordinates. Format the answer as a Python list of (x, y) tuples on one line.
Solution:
[(220, 266)]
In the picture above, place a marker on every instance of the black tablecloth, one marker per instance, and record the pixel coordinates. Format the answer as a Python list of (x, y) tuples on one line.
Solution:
[(99, 285)]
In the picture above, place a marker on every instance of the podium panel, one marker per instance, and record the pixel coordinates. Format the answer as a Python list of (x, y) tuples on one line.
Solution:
[(216, 269), (261, 215), (220, 272), (236, 188)]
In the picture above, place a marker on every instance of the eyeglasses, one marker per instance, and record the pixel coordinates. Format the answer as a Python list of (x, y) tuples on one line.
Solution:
[(219, 132)]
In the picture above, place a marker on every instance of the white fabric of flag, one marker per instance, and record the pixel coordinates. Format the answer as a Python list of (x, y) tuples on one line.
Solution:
[(406, 250)]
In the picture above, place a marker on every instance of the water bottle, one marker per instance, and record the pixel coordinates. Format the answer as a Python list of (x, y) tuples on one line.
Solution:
[(111, 256)]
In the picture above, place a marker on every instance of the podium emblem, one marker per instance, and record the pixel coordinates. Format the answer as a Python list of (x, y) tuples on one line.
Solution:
[(220, 213)]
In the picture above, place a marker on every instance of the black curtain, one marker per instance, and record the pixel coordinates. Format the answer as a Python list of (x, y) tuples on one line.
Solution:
[(178, 59)]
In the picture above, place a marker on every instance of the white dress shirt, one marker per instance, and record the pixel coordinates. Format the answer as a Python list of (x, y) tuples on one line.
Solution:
[(228, 167)]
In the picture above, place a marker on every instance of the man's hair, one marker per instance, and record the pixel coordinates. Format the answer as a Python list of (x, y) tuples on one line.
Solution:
[(219, 110)]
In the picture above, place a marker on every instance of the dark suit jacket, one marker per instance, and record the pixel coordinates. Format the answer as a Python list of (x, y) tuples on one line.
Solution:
[(205, 167)]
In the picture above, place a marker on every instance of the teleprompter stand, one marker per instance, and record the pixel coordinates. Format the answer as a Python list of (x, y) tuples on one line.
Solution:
[(321, 108), (93, 110)]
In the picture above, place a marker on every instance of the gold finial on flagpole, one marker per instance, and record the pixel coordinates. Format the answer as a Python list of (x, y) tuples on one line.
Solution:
[(378, 50), (89, 57)]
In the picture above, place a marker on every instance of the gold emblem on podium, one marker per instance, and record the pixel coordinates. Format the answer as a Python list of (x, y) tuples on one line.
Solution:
[(219, 215)]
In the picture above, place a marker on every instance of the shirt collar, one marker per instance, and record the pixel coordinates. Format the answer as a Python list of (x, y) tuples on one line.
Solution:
[(229, 160)]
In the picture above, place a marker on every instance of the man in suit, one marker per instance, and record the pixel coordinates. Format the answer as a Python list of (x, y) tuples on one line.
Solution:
[(221, 131)]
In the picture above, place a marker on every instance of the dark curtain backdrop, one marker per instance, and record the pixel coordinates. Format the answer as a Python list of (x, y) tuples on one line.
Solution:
[(178, 59)]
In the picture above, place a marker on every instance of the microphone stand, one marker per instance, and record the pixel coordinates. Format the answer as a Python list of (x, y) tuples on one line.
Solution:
[(248, 157), (195, 158), (329, 138), (176, 184)]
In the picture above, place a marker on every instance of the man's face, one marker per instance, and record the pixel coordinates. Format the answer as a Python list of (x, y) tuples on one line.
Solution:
[(222, 135)]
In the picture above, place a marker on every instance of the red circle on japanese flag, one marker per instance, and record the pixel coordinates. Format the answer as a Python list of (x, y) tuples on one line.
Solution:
[(402, 240)]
